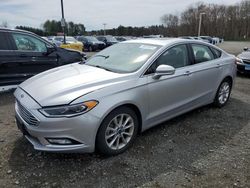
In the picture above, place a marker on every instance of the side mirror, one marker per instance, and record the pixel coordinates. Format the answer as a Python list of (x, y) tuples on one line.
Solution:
[(50, 49), (245, 49), (163, 70)]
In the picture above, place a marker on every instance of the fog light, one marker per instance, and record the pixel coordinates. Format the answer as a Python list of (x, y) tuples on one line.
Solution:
[(60, 141)]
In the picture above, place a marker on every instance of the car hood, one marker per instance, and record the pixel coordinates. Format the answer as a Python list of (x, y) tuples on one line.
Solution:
[(245, 55), (64, 84)]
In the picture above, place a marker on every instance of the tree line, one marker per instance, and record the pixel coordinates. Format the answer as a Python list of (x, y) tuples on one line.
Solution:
[(53, 28), (229, 22)]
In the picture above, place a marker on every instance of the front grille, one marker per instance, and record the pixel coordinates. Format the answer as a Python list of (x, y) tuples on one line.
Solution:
[(246, 61), (26, 115)]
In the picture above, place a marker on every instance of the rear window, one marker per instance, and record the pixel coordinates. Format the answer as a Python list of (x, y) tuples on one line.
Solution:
[(4, 41), (216, 52)]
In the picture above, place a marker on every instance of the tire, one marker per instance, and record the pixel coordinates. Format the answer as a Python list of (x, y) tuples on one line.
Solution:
[(223, 93), (112, 138)]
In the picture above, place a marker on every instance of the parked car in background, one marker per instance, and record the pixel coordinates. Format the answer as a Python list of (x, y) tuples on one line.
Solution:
[(57, 43), (216, 40), (187, 37), (121, 38), (152, 36), (108, 40), (24, 54), (71, 43), (45, 38), (91, 43), (119, 92), (124, 38), (208, 38), (199, 38), (243, 64)]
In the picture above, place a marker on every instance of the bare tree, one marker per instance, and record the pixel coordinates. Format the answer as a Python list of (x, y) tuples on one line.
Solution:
[(231, 22), (171, 22)]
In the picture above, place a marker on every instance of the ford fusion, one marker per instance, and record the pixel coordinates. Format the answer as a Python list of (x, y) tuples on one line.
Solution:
[(103, 103)]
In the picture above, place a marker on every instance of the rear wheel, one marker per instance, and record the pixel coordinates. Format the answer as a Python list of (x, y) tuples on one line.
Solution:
[(117, 132), (223, 93)]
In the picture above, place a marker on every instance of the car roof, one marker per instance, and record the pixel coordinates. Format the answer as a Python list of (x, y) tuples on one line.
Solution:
[(11, 30), (158, 41)]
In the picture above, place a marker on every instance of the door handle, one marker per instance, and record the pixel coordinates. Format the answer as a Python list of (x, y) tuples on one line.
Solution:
[(187, 73), (218, 65)]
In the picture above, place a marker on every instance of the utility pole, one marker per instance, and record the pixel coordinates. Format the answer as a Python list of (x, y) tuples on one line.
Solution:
[(199, 31), (63, 23), (104, 28)]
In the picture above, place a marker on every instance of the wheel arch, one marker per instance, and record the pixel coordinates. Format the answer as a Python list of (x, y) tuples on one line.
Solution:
[(230, 78), (132, 106), (129, 105)]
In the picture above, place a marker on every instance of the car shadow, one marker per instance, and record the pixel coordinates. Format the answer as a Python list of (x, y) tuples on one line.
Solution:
[(241, 75), (167, 147)]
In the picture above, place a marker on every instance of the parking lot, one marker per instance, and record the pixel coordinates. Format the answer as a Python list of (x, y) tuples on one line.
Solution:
[(208, 147)]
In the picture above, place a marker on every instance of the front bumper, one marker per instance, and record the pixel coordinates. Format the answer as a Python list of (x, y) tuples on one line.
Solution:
[(81, 129), (242, 68)]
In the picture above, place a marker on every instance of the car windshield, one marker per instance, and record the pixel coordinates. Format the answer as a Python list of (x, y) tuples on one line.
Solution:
[(93, 39), (71, 39), (123, 57), (111, 39), (58, 39)]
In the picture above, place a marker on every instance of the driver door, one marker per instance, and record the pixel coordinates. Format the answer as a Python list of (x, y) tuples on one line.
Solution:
[(31, 55), (170, 95)]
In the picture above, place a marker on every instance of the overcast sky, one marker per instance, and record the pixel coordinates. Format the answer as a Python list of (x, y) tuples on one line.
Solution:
[(93, 13)]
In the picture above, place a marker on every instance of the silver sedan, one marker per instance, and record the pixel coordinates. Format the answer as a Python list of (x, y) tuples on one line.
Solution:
[(102, 104)]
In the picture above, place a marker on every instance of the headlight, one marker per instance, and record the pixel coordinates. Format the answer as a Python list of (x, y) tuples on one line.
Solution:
[(239, 61), (69, 110)]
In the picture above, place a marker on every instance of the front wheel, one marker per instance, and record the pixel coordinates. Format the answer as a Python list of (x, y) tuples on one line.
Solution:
[(117, 132), (223, 93)]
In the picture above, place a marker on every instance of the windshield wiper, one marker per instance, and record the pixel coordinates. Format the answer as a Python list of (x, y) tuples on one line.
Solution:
[(105, 56), (100, 67)]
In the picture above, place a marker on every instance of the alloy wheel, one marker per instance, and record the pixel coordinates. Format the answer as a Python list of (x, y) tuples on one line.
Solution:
[(224, 93), (119, 131)]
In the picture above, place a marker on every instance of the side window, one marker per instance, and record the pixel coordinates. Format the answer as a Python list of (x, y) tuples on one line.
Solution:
[(4, 41), (202, 53), (28, 43), (216, 52), (176, 57)]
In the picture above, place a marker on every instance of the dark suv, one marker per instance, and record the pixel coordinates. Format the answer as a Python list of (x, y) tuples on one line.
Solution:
[(24, 54), (91, 43), (108, 40)]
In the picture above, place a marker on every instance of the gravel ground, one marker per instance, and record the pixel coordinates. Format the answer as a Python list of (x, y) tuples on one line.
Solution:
[(234, 47), (208, 147)]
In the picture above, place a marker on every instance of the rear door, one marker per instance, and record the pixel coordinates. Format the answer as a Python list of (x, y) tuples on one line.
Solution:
[(8, 66), (206, 71), (31, 54)]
